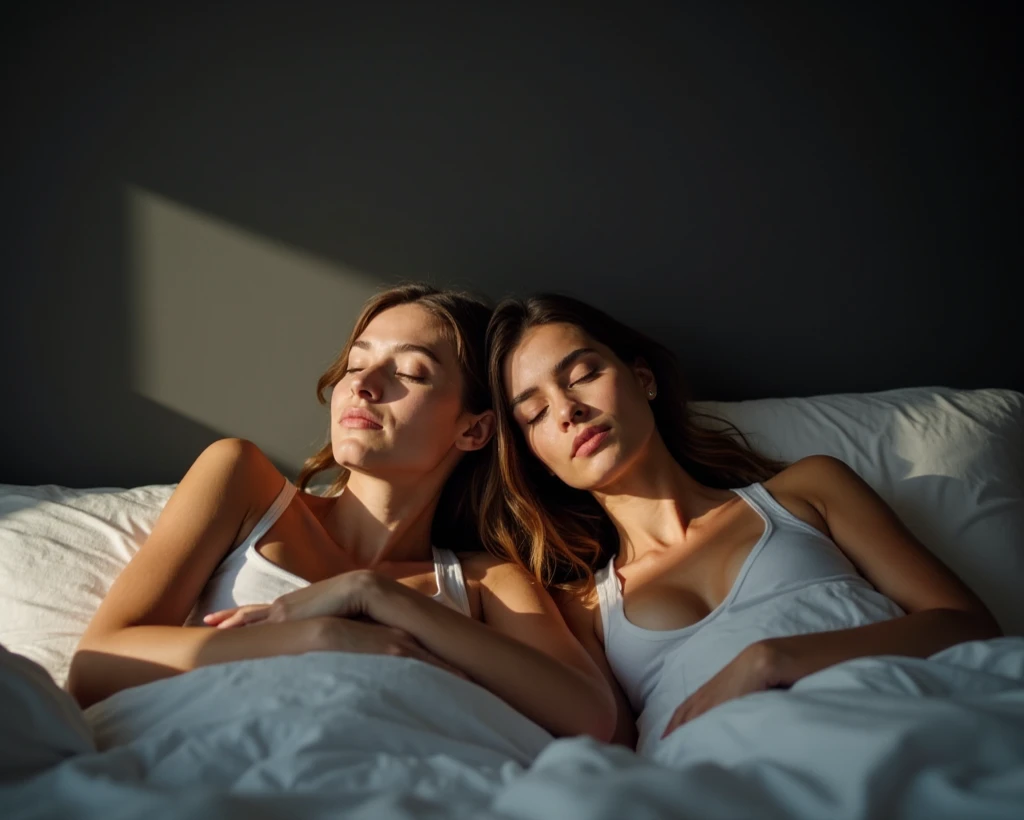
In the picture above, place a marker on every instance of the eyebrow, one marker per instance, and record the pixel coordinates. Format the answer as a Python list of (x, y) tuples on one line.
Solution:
[(565, 362), (404, 347)]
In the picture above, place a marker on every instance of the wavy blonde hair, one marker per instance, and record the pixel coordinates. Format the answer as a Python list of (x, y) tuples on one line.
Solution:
[(464, 318), (561, 534)]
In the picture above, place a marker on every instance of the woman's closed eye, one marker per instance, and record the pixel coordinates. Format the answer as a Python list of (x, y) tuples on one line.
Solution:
[(537, 417), (586, 377), (589, 376), (412, 377)]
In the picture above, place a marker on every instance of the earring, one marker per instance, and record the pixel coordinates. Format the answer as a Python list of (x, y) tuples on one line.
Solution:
[(650, 394)]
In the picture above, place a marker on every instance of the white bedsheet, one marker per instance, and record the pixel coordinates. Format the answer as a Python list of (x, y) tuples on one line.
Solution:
[(330, 735)]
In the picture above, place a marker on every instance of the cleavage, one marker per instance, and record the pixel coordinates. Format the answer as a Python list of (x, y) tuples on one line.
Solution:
[(681, 587)]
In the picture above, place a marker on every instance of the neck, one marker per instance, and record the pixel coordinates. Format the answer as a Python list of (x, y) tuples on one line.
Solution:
[(380, 520), (654, 502)]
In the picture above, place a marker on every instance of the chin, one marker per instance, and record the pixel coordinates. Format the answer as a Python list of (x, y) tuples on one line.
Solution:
[(603, 468), (593, 483), (350, 454), (588, 480)]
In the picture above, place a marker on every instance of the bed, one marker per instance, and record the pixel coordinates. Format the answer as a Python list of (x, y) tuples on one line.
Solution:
[(329, 735)]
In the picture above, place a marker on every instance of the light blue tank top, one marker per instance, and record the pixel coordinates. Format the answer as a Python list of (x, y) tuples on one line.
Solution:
[(245, 576), (794, 581)]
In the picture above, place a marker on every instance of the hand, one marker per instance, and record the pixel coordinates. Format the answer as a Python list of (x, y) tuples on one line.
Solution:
[(350, 594), (753, 670)]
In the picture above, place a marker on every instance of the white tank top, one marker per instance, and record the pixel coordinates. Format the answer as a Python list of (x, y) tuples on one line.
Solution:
[(245, 576), (795, 581)]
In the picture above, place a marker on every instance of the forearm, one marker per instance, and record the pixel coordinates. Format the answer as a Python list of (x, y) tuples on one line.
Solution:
[(106, 664), (562, 699), (919, 635)]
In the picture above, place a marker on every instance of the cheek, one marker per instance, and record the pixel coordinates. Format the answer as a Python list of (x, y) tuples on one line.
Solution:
[(427, 418), (618, 397), (336, 394), (541, 443), (611, 394)]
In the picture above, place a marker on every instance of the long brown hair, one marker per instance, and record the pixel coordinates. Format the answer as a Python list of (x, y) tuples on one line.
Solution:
[(557, 532), (464, 318)]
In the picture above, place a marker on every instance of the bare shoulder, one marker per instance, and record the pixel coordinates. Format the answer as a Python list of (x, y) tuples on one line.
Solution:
[(581, 610), (816, 477), (239, 476), (814, 468), (236, 456), (216, 503), (802, 486), (581, 595), (484, 568), (241, 459), (578, 602)]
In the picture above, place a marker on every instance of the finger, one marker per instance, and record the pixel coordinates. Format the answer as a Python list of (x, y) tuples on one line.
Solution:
[(233, 620), (257, 616), (215, 618), (244, 617), (230, 617)]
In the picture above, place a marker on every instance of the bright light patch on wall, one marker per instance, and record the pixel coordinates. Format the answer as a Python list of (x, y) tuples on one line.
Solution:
[(233, 330)]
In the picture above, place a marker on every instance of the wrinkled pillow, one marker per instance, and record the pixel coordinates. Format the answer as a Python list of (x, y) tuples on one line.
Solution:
[(60, 550), (949, 462)]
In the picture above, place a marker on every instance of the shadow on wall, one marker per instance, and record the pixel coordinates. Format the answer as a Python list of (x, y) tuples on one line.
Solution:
[(231, 330), (796, 203), (175, 329)]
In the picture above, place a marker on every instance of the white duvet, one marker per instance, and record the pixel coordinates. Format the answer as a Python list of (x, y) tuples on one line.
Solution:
[(330, 735)]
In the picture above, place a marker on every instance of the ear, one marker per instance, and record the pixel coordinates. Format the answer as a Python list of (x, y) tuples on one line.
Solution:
[(645, 378), (478, 432)]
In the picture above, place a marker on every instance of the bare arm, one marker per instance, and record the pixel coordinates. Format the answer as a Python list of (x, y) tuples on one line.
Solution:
[(581, 617), (136, 634), (140, 654), (941, 610), (523, 651)]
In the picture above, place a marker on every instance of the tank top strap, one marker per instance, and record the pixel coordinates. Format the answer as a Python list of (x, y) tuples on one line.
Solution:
[(609, 595), (753, 494), (757, 497), (773, 512), (451, 583), (284, 498)]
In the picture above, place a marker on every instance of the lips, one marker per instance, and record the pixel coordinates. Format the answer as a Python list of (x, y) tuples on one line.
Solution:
[(589, 439), (358, 419)]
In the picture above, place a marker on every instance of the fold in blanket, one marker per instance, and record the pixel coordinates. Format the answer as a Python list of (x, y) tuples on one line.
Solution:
[(330, 734)]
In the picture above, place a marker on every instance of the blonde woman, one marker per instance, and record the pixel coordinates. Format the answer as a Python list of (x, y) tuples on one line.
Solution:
[(242, 564)]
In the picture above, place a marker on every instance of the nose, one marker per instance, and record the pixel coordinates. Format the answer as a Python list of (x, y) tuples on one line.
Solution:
[(366, 385), (571, 412)]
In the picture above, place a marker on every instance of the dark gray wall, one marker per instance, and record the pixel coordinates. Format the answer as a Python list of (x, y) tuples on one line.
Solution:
[(798, 199)]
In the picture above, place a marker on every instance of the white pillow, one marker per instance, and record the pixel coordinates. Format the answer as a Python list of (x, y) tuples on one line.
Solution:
[(949, 462), (60, 550)]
